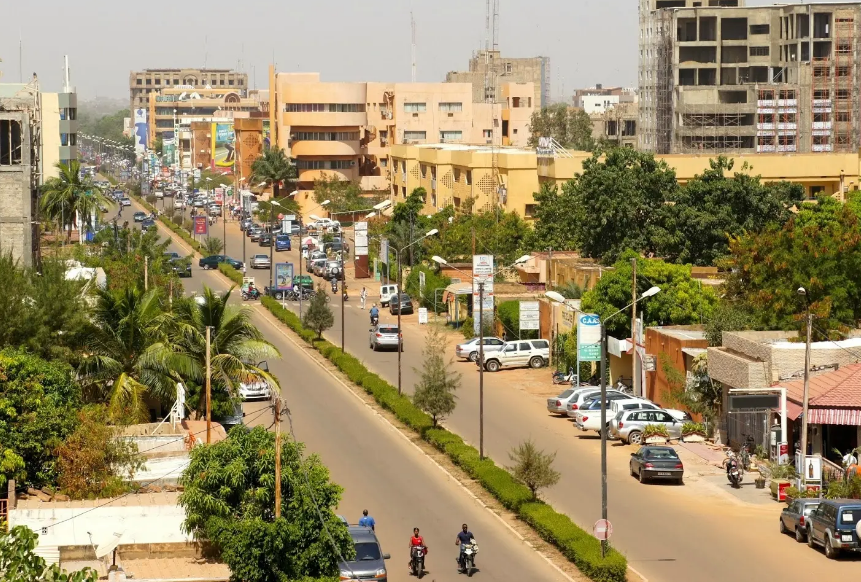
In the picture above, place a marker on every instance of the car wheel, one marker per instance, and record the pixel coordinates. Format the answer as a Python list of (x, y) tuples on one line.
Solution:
[(635, 437), (830, 552), (810, 542), (799, 535), (536, 362), (631, 469), (492, 366), (473, 357), (783, 529), (279, 295), (374, 347), (642, 476)]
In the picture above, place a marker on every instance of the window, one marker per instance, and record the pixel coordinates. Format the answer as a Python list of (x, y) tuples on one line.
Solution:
[(327, 136), (525, 346), (487, 133), (384, 163), (324, 107), (759, 28), (139, 82), (450, 107), (822, 94), (468, 177), (424, 170), (507, 67), (843, 71), (821, 139), (844, 116), (450, 135), (529, 210), (68, 139), (844, 94), (759, 51), (787, 94), (515, 131), (822, 117), (414, 135), (415, 107), (325, 164), (456, 175), (529, 101)]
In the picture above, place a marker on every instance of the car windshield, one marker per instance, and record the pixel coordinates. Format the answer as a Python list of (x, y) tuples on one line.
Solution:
[(661, 454), (367, 551)]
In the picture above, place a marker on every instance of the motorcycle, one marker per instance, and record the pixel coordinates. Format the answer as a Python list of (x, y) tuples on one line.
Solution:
[(334, 286), (417, 561), (562, 378), (467, 558), (375, 319), (252, 295), (734, 472)]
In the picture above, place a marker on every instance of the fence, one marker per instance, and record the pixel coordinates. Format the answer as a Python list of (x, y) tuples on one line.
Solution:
[(742, 423)]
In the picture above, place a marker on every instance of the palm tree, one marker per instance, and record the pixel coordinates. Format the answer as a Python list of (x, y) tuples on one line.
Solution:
[(236, 345), (69, 194), (126, 352), (273, 167)]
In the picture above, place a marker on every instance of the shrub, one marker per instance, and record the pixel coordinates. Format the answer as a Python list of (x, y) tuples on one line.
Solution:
[(694, 428), (230, 273), (655, 430)]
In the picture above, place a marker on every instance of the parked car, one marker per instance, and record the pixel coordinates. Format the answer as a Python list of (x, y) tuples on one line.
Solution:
[(400, 304), (834, 526), (386, 293), (211, 262), (559, 404), (140, 216), (793, 518), (588, 417), (519, 354), (370, 561), (581, 396), (629, 428), (282, 242), (265, 240), (657, 463), (260, 262), (313, 256), (334, 247), (632, 404), (159, 194), (125, 201), (469, 349), (385, 335), (179, 265)]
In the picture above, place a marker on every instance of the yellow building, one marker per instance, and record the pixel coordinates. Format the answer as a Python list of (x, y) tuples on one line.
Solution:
[(452, 173)]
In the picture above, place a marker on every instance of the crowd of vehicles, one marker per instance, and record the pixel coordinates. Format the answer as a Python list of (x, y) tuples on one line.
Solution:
[(833, 524)]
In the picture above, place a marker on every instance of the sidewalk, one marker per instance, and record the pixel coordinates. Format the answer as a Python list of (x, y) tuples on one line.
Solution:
[(706, 453)]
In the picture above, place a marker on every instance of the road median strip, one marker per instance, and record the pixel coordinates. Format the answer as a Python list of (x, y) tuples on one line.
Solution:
[(175, 228), (576, 544)]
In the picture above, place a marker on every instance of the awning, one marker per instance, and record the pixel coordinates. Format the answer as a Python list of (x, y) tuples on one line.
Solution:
[(793, 410), (456, 289), (617, 347), (845, 416)]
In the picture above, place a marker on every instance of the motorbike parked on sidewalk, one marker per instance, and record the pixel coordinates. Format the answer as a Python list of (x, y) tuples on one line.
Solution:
[(563, 378), (734, 472), (467, 559), (417, 561)]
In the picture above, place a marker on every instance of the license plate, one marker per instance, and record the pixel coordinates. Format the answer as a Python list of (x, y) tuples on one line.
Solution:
[(663, 474), (846, 537)]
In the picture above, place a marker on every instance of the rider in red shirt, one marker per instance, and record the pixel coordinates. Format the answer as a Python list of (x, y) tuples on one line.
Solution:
[(415, 540)]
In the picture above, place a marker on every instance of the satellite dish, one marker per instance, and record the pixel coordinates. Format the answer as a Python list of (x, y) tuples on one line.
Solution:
[(110, 545)]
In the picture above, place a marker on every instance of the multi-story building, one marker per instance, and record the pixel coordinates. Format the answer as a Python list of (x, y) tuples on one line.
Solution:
[(729, 78), (142, 83), (617, 125), (491, 68), (345, 130), (59, 128), (598, 99), (172, 105)]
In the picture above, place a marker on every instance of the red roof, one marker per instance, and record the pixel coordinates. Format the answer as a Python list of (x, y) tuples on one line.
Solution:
[(840, 389)]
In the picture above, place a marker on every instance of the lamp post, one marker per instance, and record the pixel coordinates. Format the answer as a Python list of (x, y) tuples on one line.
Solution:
[(442, 261), (400, 290), (806, 391), (554, 296), (301, 226)]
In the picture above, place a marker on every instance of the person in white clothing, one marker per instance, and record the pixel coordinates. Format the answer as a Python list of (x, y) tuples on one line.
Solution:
[(362, 296)]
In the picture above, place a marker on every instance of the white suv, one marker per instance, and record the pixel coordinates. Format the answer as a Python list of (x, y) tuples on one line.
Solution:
[(518, 354)]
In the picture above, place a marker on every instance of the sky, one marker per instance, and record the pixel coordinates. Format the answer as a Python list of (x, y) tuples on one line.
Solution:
[(588, 41)]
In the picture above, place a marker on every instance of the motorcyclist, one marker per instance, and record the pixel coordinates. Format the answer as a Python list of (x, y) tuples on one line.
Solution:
[(374, 313), (334, 286), (416, 541), (464, 536)]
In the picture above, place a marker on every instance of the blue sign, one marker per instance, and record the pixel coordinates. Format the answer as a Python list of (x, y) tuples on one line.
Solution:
[(589, 337)]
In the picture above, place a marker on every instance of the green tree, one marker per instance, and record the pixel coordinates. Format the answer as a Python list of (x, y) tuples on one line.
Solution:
[(109, 126), (553, 228), (506, 235), (434, 392), (700, 394), (533, 467), (319, 316), (618, 202), (727, 316), (343, 195), (818, 249), (274, 168), (229, 500), (433, 281), (268, 212), (20, 563), (69, 194), (715, 206), (682, 299), (570, 127), (212, 246), (40, 400)]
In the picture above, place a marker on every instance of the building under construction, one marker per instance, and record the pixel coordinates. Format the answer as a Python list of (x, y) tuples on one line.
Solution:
[(488, 70), (717, 76)]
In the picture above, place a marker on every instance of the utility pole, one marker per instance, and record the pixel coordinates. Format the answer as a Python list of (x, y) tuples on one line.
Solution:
[(638, 390), (549, 283), (481, 369), (603, 431), (343, 293), (804, 400), (400, 332), (146, 273), (277, 457), (208, 390)]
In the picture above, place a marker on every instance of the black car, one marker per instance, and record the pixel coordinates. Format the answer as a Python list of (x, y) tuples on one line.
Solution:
[(833, 525), (147, 224), (179, 265), (140, 216), (793, 518), (211, 262), (265, 240), (658, 463), (400, 303)]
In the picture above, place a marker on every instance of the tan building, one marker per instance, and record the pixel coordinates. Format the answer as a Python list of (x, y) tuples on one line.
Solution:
[(729, 78), (491, 67), (617, 125), (172, 105), (142, 83)]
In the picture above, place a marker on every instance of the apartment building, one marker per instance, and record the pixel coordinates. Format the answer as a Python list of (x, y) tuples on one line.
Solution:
[(345, 130), (491, 68), (59, 131), (717, 76), (617, 124), (599, 99), (170, 105), (142, 83)]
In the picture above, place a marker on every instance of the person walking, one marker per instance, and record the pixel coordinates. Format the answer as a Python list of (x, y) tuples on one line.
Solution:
[(362, 296)]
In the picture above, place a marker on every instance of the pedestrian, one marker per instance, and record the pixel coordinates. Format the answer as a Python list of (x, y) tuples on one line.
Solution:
[(367, 520), (362, 296)]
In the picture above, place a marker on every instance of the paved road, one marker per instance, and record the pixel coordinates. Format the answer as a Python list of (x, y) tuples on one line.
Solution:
[(381, 470), (667, 533)]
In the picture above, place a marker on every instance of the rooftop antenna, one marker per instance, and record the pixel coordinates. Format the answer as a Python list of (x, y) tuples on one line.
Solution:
[(205, 50), (20, 58), (413, 25), (67, 83)]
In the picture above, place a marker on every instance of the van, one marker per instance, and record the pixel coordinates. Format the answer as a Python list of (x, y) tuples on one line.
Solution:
[(386, 293)]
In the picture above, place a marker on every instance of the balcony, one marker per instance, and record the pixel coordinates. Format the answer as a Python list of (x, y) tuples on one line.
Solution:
[(324, 119), (325, 148)]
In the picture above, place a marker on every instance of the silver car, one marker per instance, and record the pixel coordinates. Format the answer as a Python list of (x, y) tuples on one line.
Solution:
[(385, 335), (469, 350), (559, 404), (629, 427), (582, 395), (260, 262)]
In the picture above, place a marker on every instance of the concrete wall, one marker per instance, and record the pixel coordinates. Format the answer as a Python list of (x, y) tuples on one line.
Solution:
[(17, 198), (50, 135)]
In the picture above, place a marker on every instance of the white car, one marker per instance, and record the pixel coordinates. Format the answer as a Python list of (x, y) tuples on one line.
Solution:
[(518, 354), (582, 395), (591, 419), (159, 194), (559, 404), (255, 390), (469, 350)]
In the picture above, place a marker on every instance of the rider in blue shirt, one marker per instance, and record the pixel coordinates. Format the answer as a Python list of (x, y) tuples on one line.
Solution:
[(374, 312), (367, 520), (463, 537)]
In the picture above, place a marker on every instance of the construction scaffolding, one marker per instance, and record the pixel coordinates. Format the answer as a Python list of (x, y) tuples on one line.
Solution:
[(657, 79), (846, 82)]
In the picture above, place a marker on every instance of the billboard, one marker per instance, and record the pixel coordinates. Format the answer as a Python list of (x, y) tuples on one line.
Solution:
[(283, 276), (482, 272), (223, 143), (201, 225), (267, 135), (141, 131), (530, 315), (588, 337)]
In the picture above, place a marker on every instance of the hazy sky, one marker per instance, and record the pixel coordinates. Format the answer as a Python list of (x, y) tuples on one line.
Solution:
[(588, 41)]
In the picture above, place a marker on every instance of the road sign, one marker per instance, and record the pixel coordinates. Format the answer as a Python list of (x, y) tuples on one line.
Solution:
[(423, 315), (530, 315), (589, 337), (602, 529)]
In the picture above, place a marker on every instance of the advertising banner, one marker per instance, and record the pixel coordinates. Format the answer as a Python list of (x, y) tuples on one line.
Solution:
[(384, 250), (529, 315), (588, 337), (141, 131), (201, 225), (482, 272), (267, 135), (283, 276), (360, 230), (223, 139)]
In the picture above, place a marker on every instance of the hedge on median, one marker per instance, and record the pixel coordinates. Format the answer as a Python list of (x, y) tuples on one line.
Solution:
[(183, 234), (575, 543), (231, 273)]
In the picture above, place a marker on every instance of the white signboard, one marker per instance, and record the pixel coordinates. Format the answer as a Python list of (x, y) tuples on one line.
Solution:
[(384, 250), (423, 314), (360, 231), (482, 272), (530, 315)]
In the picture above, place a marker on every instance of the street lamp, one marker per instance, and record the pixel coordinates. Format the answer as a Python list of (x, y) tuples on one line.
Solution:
[(806, 391), (442, 261), (559, 299), (431, 232), (301, 225)]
